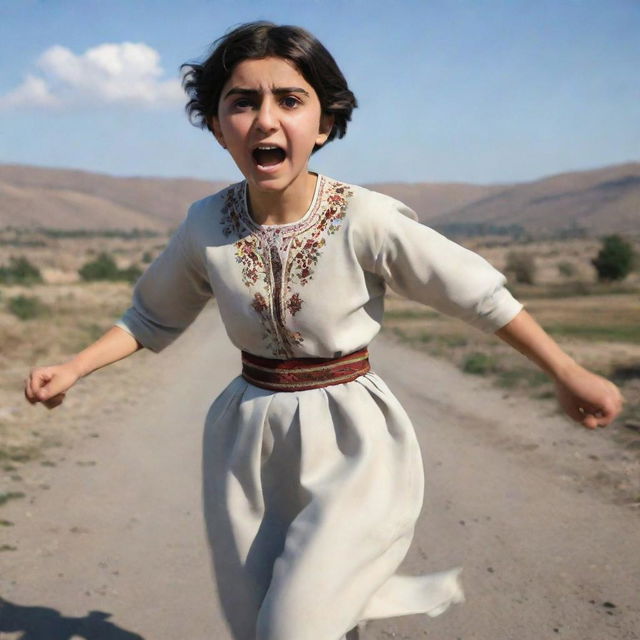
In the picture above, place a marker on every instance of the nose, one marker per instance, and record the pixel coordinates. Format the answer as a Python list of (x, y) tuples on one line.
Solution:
[(266, 117)]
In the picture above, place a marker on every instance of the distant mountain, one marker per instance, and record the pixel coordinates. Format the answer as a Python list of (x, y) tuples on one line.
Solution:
[(593, 202), (598, 201), (69, 199), (431, 200)]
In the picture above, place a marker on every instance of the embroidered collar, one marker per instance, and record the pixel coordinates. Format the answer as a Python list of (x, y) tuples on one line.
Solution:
[(278, 261), (289, 228)]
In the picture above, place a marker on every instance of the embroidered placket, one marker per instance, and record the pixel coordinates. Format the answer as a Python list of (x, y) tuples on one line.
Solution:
[(274, 258)]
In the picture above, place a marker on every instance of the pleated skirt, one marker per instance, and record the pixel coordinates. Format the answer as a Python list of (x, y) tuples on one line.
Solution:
[(310, 501)]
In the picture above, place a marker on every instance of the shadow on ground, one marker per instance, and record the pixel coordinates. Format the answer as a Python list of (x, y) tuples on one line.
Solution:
[(44, 623)]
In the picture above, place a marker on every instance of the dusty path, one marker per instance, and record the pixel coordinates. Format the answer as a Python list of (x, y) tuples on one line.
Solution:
[(510, 496)]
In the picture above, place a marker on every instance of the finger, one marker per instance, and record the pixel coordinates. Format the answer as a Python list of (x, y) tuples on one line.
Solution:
[(28, 391), (575, 413), (40, 377), (38, 380), (609, 410), (598, 416), (51, 389), (597, 419), (590, 417)]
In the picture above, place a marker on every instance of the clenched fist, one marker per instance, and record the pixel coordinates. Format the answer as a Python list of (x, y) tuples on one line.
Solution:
[(48, 385)]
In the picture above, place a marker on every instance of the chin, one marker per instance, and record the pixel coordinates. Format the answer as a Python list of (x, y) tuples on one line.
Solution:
[(274, 183)]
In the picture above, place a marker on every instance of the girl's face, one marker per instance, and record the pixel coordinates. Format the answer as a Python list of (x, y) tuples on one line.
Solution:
[(269, 119)]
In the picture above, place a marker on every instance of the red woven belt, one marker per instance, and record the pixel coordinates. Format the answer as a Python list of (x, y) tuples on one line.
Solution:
[(299, 374)]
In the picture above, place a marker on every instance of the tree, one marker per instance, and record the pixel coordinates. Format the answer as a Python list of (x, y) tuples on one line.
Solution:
[(102, 268), (615, 258), (20, 271), (522, 266)]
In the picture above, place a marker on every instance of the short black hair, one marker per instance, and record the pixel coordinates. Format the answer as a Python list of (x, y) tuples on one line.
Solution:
[(203, 81)]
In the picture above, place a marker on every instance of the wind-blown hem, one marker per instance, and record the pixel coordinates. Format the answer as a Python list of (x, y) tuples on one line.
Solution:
[(431, 594)]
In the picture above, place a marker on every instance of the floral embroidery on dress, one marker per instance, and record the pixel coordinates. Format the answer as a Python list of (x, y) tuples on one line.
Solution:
[(277, 258), (294, 303), (246, 247)]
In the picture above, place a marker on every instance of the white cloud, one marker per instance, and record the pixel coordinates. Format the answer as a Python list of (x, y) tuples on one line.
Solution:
[(33, 91), (127, 73)]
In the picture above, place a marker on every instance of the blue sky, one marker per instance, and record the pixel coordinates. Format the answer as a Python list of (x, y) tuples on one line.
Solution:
[(449, 90)]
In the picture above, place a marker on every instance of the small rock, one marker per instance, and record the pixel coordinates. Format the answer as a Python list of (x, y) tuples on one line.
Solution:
[(78, 530), (609, 605), (634, 426)]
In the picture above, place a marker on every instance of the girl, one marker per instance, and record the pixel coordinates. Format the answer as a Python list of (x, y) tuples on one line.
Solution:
[(314, 475)]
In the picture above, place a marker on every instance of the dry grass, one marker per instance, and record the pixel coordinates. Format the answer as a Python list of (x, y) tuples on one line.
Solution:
[(78, 314), (70, 315), (601, 330), (60, 258), (597, 323)]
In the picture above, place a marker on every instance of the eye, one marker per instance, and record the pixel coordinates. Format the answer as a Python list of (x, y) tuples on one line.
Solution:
[(291, 102), (242, 103)]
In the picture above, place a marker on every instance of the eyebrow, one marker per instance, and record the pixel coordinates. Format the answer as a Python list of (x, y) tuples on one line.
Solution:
[(275, 91)]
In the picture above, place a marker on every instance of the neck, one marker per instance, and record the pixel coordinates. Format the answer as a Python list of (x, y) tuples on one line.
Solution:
[(282, 207)]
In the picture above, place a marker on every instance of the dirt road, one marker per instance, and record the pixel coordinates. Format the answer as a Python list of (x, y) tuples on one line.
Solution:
[(115, 546)]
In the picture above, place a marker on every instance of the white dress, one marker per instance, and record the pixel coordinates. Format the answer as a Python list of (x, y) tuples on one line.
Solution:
[(311, 497)]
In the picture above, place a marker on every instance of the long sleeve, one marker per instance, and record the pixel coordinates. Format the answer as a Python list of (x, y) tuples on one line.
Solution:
[(169, 294), (423, 265)]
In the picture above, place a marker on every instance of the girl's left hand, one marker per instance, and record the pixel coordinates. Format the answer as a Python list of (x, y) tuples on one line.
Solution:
[(587, 398)]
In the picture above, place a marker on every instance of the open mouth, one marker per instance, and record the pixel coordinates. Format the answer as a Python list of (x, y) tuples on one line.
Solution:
[(268, 155)]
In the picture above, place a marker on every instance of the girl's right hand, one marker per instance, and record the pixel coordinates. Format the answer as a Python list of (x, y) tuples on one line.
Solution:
[(49, 384)]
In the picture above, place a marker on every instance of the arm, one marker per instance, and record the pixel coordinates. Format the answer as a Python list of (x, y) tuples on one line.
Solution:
[(49, 384), (425, 266), (584, 396), (166, 299)]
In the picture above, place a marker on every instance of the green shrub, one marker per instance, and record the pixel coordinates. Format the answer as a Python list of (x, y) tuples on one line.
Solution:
[(615, 259), (105, 268), (521, 377), (522, 266), (131, 274), (102, 268), (478, 363), (10, 495), (26, 307), (20, 271)]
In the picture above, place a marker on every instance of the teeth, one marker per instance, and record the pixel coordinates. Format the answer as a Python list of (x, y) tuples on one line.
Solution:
[(265, 148)]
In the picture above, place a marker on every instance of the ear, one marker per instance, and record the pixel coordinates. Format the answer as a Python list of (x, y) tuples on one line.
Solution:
[(326, 124), (214, 124)]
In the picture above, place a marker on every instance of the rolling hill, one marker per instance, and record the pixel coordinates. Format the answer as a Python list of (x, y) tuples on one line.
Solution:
[(593, 202)]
